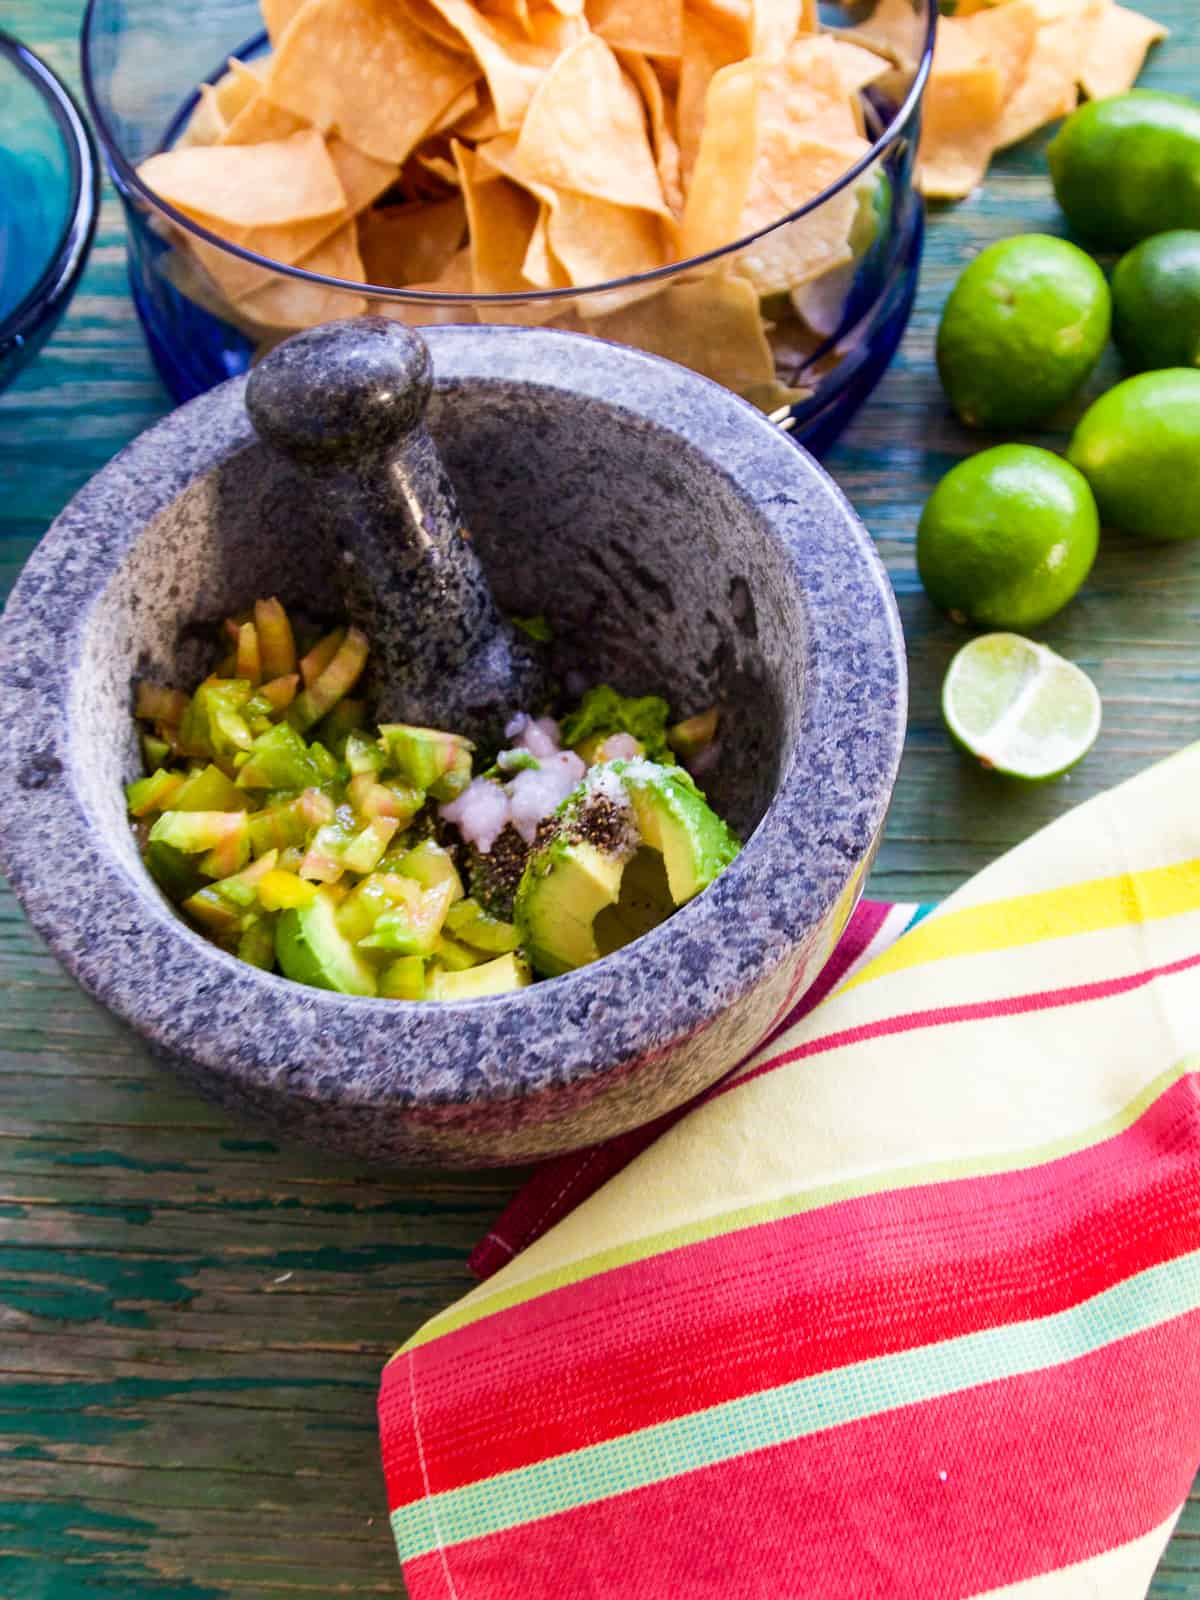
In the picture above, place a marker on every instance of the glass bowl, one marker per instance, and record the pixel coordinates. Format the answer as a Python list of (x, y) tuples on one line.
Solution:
[(49, 196), (810, 350)]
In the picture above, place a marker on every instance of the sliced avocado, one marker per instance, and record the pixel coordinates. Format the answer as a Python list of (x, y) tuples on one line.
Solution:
[(675, 818), (563, 889), (312, 949), (403, 979), (470, 922), (644, 902), (455, 957), (507, 972)]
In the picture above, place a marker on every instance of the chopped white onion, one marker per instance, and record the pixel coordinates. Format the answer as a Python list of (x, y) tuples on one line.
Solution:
[(536, 794), (481, 813)]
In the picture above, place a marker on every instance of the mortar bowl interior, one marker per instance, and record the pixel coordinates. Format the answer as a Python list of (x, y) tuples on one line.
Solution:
[(676, 543)]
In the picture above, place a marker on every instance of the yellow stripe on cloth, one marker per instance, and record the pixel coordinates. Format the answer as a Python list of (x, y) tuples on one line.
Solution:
[(952, 1094), (1116, 1575)]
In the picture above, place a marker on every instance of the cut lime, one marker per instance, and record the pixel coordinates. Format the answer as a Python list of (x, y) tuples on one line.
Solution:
[(1018, 708)]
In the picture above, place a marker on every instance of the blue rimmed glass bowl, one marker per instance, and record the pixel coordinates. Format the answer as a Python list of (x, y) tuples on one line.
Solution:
[(831, 338), (49, 197)]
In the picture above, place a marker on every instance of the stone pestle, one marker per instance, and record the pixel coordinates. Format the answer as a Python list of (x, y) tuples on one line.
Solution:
[(345, 403)]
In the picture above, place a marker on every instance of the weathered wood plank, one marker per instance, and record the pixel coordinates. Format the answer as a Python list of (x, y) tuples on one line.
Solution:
[(192, 1316)]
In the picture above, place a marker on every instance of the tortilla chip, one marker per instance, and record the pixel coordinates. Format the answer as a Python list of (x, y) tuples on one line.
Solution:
[(894, 30), (482, 123), (461, 106), (712, 326), (411, 243), (962, 111), (454, 279), (206, 125), (238, 86), (1004, 37), (540, 266), (295, 303), (774, 25), (1048, 89), (596, 241), (765, 122), (442, 168), (1117, 50), (808, 248), (585, 130), (512, 64), (665, 145), (651, 27), (555, 32), (277, 14), (363, 67), (362, 179), (708, 46), (261, 120), (501, 217), (857, 67), (282, 181), (512, 10)]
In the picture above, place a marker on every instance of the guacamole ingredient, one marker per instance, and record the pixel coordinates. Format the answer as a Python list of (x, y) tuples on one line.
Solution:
[(1156, 302), (1139, 448), (1024, 326), (1007, 537), (1018, 708), (296, 839), (1128, 167)]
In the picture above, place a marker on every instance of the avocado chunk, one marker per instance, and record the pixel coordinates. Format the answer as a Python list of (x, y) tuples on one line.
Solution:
[(675, 818), (631, 843), (312, 949), (507, 972)]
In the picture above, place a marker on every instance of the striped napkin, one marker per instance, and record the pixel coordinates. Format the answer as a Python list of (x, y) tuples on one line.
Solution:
[(908, 1307)]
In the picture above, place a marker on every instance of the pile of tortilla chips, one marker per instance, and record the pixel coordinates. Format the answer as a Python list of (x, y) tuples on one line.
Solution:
[(513, 146)]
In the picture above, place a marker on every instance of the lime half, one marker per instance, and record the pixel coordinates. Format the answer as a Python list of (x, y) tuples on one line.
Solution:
[(1018, 708)]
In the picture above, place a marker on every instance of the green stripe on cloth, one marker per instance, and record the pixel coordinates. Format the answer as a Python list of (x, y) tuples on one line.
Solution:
[(794, 1411), (475, 1309)]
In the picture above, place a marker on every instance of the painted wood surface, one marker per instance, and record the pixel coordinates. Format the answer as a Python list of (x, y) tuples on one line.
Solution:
[(191, 1317)]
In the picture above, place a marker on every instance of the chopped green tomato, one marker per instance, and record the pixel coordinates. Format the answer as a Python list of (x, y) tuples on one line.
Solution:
[(430, 864), (175, 873), (197, 831), (564, 888), (153, 703), (152, 793), (333, 681), (437, 762), (275, 640), (674, 818), (347, 717), (693, 734), (403, 979), (493, 977), (213, 724), (226, 858), (214, 913), (279, 693), (366, 850), (602, 710), (455, 957), (363, 755), (220, 905), (368, 900), (284, 891), (327, 763), (249, 656), (412, 930), (290, 822), (257, 944), (470, 922), (312, 949), (155, 752), (370, 798), (323, 858), (208, 789), (322, 653), (279, 759), (537, 628)]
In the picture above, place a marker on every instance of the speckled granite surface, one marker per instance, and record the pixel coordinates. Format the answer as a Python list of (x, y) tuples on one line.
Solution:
[(677, 542)]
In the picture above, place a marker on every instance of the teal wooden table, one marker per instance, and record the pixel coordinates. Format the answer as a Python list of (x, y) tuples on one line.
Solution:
[(191, 1317)]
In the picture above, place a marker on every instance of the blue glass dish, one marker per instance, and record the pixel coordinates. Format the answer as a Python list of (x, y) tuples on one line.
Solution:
[(49, 199), (144, 59)]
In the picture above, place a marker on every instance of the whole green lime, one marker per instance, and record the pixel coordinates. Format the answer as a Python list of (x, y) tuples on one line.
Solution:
[(1156, 302), (1007, 537), (1024, 326), (1139, 448), (1128, 167)]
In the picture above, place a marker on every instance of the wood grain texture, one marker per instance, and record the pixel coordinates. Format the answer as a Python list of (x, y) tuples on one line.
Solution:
[(192, 1318)]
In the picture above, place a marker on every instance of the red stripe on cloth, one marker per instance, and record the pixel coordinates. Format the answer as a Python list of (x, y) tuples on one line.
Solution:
[(559, 1186), (934, 1501), (768, 1304), (973, 1011)]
